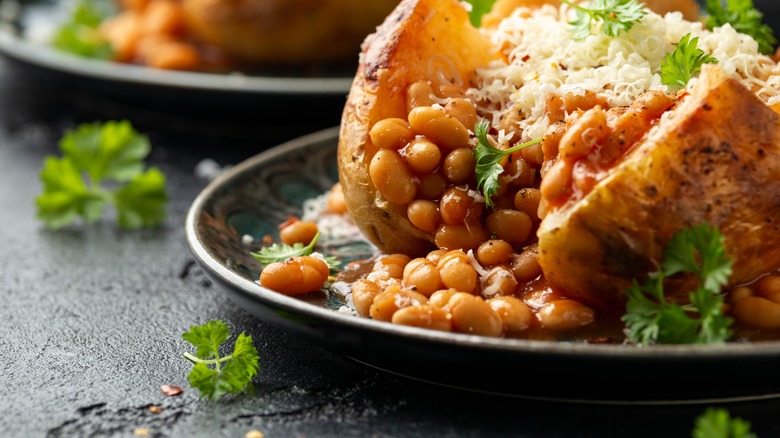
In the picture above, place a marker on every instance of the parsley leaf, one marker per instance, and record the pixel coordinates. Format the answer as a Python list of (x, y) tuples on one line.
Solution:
[(230, 374), (678, 67), (488, 158), (615, 15), (108, 152), (650, 318), (280, 253), (718, 423), (80, 35), (744, 18), (478, 9)]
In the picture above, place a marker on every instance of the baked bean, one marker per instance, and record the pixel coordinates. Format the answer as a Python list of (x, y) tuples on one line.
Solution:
[(296, 276), (449, 90), (298, 232), (334, 200), (463, 110), (758, 312), (557, 183), (454, 205), (392, 264), (533, 155), (123, 32), (422, 276), (651, 104), (445, 130), (499, 281), (424, 316), (162, 51), (423, 214), (769, 288), (585, 175), (510, 225), (394, 298), (441, 297), (527, 201), (459, 236), (436, 255), (432, 186), (392, 177), (423, 155), (554, 108), (739, 294), (565, 315), (162, 17), (419, 94), (580, 139), (493, 252), (629, 127), (459, 165), (583, 100), (552, 139), (457, 272), (363, 294), (514, 313), (519, 173), (510, 121), (391, 133), (525, 265), (471, 314)]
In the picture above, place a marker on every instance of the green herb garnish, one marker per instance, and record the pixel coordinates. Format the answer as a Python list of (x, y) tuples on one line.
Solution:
[(615, 16), (718, 423), (478, 9), (80, 35), (678, 67), (744, 18), (280, 253), (214, 375), (109, 152), (650, 318), (487, 158)]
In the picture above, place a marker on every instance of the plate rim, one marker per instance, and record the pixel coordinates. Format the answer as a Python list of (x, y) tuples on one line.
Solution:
[(40, 55), (253, 291)]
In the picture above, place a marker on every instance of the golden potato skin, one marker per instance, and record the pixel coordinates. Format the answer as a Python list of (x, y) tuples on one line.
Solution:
[(286, 31), (414, 39), (715, 160)]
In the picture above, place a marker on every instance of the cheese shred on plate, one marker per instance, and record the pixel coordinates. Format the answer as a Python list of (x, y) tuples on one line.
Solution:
[(543, 58)]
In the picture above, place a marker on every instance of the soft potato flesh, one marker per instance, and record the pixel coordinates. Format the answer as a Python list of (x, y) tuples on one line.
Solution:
[(419, 39), (716, 159)]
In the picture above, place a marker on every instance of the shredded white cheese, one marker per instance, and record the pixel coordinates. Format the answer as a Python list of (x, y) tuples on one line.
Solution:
[(542, 58)]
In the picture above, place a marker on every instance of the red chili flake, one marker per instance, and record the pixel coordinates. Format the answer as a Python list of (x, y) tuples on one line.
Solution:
[(171, 390), (525, 58)]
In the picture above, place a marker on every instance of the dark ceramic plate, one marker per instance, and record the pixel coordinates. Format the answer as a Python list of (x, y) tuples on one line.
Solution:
[(260, 94), (258, 194)]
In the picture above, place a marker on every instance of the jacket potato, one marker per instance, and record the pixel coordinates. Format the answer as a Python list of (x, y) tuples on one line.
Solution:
[(695, 161)]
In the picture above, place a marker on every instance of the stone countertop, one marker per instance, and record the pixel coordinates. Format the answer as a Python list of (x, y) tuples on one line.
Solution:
[(91, 317)]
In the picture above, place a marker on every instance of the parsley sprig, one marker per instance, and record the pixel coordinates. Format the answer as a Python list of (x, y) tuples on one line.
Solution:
[(718, 423), (615, 16), (651, 318), (111, 152), (79, 35), (487, 158), (478, 9), (744, 18), (230, 374), (678, 67), (280, 253)]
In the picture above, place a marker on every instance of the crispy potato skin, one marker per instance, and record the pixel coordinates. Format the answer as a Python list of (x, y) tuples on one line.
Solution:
[(716, 160), (410, 46), (286, 31)]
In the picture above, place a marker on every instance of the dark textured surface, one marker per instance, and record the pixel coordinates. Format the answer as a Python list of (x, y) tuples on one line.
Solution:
[(91, 317)]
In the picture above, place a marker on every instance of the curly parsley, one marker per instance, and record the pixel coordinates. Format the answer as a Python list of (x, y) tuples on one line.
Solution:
[(280, 253), (487, 158), (718, 423), (650, 318), (678, 67), (102, 152), (615, 16), (214, 375), (744, 18), (79, 35)]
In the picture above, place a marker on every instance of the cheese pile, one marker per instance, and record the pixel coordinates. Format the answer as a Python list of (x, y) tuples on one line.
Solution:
[(542, 58)]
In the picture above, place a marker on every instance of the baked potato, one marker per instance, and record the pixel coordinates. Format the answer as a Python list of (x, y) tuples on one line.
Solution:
[(286, 31), (698, 163)]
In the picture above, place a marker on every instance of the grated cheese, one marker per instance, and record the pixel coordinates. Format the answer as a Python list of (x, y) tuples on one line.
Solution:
[(543, 58)]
